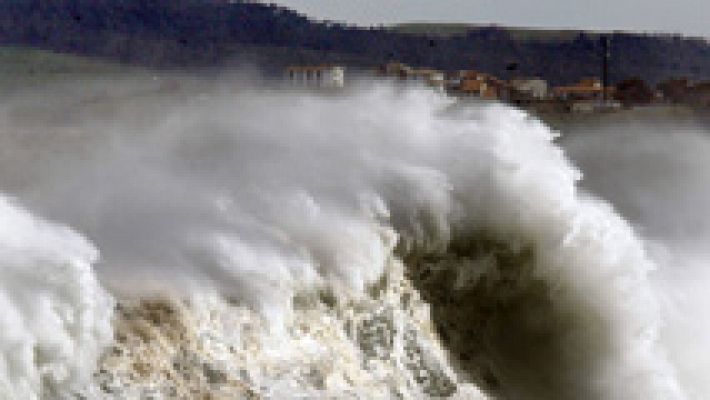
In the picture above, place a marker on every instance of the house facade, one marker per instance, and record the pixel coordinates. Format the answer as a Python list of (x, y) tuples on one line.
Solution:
[(332, 76), (533, 88)]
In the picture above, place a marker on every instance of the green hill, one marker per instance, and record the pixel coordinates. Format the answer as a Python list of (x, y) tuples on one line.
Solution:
[(182, 34), (23, 67)]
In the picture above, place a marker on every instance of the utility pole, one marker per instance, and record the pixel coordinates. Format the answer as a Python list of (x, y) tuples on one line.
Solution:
[(605, 66)]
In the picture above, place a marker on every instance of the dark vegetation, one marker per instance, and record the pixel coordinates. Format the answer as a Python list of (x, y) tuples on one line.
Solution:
[(198, 33), (633, 91)]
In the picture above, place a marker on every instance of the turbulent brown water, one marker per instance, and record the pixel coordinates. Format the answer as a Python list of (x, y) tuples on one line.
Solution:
[(214, 240)]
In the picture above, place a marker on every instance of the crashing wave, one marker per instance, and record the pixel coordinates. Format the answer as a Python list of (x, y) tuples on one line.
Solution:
[(379, 243), (381, 347), (54, 321)]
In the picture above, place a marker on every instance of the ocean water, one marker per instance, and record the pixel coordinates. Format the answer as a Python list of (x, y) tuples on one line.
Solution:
[(216, 239)]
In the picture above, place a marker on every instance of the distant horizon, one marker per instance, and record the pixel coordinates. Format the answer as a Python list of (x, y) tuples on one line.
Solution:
[(683, 17)]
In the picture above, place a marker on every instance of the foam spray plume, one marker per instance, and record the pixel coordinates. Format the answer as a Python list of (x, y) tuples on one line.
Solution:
[(376, 243), (659, 181)]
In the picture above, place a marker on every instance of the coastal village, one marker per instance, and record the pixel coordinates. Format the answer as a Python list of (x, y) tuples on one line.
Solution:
[(588, 95)]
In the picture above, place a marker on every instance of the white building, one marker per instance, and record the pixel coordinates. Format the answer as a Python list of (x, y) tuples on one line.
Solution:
[(317, 76), (536, 88), (431, 77)]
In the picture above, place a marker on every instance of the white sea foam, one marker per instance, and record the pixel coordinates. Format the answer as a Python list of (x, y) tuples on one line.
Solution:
[(55, 317)]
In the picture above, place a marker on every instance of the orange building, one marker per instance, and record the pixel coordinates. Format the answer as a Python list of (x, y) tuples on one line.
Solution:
[(474, 83), (585, 89)]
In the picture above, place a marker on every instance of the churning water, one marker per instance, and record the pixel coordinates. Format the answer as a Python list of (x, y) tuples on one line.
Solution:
[(212, 239)]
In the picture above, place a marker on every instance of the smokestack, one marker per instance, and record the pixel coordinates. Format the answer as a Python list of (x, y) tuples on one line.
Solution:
[(605, 66)]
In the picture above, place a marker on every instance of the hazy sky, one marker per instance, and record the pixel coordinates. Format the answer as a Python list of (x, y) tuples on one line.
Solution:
[(689, 17)]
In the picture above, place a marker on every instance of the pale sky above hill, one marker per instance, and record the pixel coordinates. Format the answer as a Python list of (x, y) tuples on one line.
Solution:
[(689, 17)]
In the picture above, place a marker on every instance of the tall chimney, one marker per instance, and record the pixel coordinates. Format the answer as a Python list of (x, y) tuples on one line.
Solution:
[(605, 66)]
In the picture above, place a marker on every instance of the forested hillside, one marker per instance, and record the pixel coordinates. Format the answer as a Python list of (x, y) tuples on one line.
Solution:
[(189, 33)]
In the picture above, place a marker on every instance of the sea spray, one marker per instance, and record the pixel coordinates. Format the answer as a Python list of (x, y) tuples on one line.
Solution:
[(655, 173), (55, 318), (382, 242)]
